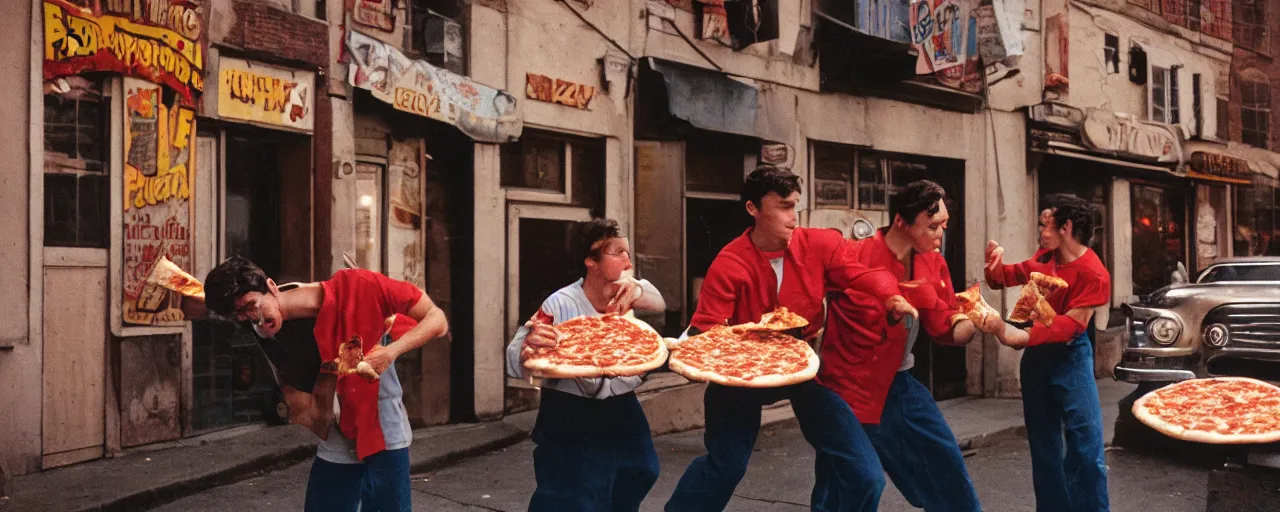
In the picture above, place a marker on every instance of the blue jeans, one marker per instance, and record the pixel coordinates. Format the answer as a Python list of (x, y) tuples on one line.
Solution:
[(846, 473), (1059, 396), (918, 450), (379, 484), (591, 455)]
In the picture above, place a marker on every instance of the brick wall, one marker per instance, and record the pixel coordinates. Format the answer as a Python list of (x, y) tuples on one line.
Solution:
[(265, 31), (1243, 60)]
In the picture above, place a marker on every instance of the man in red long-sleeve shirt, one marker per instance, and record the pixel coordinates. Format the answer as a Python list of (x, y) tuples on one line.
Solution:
[(1059, 395), (776, 264), (867, 360)]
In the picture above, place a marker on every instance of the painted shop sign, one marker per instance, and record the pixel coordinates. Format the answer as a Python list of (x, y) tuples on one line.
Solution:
[(256, 92), (380, 14), (1215, 164), (1057, 114), (159, 168), (1122, 134), (160, 41), (483, 113), (555, 90)]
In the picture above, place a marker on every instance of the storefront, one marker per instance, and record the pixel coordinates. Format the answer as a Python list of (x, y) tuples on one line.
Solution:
[(1131, 170), (412, 197), (255, 151)]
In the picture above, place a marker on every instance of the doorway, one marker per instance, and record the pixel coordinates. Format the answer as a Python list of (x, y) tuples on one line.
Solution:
[(1159, 235)]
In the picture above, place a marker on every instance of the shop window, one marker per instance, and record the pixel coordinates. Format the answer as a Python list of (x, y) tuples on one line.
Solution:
[(546, 166), (1255, 108), (873, 182), (1111, 53), (76, 134), (833, 175), (1255, 220), (1163, 95), (1249, 25), (438, 33), (717, 163), (1159, 235)]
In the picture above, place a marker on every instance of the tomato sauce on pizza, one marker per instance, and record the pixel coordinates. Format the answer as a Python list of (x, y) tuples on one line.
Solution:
[(599, 346), (745, 356), (1225, 410)]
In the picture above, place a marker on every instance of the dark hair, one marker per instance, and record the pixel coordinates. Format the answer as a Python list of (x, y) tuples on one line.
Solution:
[(1070, 207), (231, 280), (592, 232), (769, 178), (917, 196)]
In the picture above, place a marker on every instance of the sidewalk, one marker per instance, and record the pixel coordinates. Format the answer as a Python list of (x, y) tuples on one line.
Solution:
[(143, 480)]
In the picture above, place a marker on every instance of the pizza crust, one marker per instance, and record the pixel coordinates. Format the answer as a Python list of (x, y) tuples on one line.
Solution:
[(544, 368), (763, 381), (1200, 436)]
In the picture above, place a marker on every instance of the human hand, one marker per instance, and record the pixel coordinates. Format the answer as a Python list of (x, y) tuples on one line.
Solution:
[(626, 294), (541, 335), (378, 360), (898, 308), (994, 256), (1013, 337)]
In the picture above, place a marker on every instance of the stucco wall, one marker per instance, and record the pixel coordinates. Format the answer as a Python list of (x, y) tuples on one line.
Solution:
[(20, 382)]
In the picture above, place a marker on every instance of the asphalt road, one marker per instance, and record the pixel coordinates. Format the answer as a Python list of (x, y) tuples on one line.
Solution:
[(779, 479)]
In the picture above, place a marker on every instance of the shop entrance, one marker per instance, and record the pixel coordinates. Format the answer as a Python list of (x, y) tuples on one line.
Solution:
[(1159, 235)]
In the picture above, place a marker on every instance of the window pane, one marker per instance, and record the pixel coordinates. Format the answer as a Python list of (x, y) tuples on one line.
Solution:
[(91, 226), (60, 210), (872, 188), (535, 162), (833, 174), (588, 174)]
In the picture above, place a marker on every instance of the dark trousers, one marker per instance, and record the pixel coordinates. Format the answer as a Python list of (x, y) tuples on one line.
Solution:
[(591, 455), (919, 452), (1060, 399), (847, 474), (379, 484)]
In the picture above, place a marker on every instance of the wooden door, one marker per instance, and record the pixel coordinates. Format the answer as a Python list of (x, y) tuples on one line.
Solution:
[(75, 335)]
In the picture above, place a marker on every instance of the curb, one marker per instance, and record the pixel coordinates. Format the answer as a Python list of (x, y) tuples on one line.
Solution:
[(173, 491), (427, 458)]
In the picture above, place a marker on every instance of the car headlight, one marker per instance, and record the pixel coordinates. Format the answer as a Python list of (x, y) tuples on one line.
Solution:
[(1164, 330)]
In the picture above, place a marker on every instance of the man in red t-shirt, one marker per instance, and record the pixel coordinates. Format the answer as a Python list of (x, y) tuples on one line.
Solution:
[(776, 264), (1059, 394), (364, 459), (868, 361)]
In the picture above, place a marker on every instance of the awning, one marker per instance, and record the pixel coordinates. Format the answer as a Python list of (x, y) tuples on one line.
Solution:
[(1080, 152), (707, 99)]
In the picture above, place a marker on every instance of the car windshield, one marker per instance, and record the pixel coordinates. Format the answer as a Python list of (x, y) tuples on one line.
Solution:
[(1242, 272)]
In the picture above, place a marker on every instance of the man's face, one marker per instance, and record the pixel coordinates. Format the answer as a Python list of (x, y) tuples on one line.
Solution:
[(776, 217), (613, 257), (261, 310), (1051, 237), (926, 230)]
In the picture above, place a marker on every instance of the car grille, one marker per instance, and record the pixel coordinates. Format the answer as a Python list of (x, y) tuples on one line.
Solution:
[(1250, 325)]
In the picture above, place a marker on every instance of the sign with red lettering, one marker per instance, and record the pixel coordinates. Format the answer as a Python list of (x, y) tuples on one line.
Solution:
[(1215, 164)]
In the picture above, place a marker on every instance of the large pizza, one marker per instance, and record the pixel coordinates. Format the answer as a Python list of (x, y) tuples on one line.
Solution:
[(1222, 410), (599, 346), (745, 356)]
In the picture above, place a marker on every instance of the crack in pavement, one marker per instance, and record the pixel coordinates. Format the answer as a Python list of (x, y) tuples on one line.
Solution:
[(450, 500), (775, 502)]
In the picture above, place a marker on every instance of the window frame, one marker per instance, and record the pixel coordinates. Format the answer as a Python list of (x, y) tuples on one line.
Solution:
[(1260, 86), (1258, 40), (78, 167), (1169, 109)]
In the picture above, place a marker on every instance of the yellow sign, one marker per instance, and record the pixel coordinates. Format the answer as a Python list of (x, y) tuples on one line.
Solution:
[(256, 92)]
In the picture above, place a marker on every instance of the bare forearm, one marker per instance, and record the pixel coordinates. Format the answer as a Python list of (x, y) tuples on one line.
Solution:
[(432, 326)]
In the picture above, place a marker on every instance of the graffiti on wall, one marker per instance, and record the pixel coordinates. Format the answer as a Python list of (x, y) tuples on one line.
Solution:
[(483, 113), (555, 90), (266, 94), (938, 29), (158, 40), (380, 14), (159, 143)]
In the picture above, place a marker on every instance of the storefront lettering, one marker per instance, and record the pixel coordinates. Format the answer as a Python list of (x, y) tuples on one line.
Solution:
[(563, 92), (1123, 134), (1219, 165), (76, 42), (183, 18), (250, 88), (420, 103)]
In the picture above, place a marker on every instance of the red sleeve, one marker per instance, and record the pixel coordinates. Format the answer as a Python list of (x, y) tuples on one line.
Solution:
[(398, 297), (717, 296), (1064, 330), (1017, 273), (845, 272), (936, 320)]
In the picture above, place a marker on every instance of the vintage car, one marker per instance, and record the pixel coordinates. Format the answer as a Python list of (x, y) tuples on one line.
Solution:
[(1225, 322)]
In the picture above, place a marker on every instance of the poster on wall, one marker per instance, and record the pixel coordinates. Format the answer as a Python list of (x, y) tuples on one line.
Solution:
[(161, 41), (938, 29), (256, 92), (159, 163), (405, 258), (380, 14), (483, 113)]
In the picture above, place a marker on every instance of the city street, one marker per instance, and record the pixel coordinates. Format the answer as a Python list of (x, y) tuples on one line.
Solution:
[(779, 479)]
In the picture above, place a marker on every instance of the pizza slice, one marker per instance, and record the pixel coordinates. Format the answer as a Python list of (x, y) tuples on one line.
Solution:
[(1047, 284), (351, 360), (782, 319), (971, 304), (1032, 306), (166, 274)]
